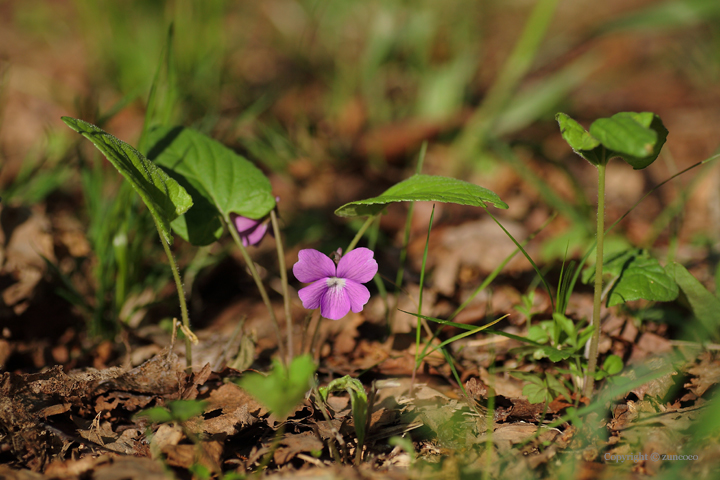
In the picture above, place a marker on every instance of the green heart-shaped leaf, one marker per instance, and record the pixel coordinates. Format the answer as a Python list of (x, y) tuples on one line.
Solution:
[(635, 137), (224, 181), (420, 188), (164, 197), (637, 275), (283, 389)]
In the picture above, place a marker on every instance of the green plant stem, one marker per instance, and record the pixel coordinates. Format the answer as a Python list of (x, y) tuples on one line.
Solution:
[(420, 299), (622, 217), (314, 337), (597, 301), (258, 281), (284, 281), (360, 233), (181, 295)]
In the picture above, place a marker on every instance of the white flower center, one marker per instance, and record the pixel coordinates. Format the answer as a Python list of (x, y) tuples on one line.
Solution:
[(336, 283)]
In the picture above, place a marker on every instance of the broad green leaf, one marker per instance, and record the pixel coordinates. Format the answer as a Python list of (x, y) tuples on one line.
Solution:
[(283, 389), (538, 334), (635, 137), (420, 188), (579, 139), (156, 415), (176, 411), (164, 197), (226, 181), (704, 305), (613, 364), (553, 354), (556, 386), (637, 275), (536, 393), (528, 377), (567, 326), (183, 410), (583, 338)]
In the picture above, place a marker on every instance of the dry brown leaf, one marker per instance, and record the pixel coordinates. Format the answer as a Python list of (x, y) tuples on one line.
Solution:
[(292, 445), (706, 374), (130, 468), (207, 454), (27, 239), (165, 436), (75, 468)]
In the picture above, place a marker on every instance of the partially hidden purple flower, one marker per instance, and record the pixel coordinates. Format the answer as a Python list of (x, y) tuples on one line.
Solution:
[(251, 231), (336, 290)]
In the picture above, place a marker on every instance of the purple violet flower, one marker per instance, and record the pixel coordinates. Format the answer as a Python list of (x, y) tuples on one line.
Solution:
[(336, 290), (251, 231)]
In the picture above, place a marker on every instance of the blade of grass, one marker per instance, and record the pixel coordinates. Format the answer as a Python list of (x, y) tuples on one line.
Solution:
[(487, 281), (502, 89), (163, 92), (406, 241), (537, 269)]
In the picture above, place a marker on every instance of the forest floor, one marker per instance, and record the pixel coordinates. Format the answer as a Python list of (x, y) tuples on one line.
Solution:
[(68, 399)]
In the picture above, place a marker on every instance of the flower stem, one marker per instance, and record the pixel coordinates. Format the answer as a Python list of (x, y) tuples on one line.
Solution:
[(181, 294), (284, 281), (360, 233), (597, 301), (419, 318), (314, 338), (258, 282)]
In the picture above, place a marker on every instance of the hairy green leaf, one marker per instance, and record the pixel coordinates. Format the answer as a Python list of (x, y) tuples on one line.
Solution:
[(636, 275), (222, 181), (429, 188), (164, 197)]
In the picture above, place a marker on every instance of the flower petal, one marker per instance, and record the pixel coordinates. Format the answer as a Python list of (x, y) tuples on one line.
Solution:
[(335, 303), (358, 265), (255, 235), (311, 296), (244, 223), (313, 265), (358, 295)]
